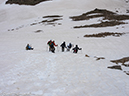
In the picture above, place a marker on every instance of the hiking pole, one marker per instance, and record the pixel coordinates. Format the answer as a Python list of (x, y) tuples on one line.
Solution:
[(81, 51), (57, 48), (46, 48)]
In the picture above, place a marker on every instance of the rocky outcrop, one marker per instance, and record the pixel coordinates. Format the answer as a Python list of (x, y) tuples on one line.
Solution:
[(105, 34), (109, 18), (115, 67), (25, 2)]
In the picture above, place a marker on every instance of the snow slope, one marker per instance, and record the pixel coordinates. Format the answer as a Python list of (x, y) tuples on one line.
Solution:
[(42, 73)]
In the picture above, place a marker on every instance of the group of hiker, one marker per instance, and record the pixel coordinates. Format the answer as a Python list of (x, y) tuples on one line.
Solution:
[(52, 45)]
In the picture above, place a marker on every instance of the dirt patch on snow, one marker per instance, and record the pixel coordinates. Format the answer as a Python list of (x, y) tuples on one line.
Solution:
[(109, 18), (105, 34)]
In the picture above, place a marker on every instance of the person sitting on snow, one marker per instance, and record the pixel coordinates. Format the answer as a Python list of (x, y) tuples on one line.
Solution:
[(63, 45), (75, 49), (28, 47)]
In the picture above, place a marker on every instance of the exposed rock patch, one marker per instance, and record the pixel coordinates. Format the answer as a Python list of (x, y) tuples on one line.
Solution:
[(46, 20), (38, 31), (115, 67), (112, 19), (99, 58), (50, 20), (122, 61), (105, 34), (102, 24), (87, 55), (127, 72), (107, 15), (53, 16), (25, 2)]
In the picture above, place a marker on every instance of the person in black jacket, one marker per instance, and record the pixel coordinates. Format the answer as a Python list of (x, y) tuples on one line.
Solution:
[(63, 45), (75, 49)]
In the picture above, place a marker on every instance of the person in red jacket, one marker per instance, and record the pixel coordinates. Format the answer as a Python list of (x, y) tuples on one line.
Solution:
[(51, 46), (49, 43)]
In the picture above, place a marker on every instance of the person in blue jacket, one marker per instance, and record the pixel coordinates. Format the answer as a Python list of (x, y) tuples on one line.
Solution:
[(28, 47), (69, 47)]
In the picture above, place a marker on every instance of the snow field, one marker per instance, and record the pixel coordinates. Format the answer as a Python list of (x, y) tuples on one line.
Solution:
[(42, 73)]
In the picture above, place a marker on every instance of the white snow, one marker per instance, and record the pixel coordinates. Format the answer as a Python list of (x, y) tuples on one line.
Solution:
[(42, 73)]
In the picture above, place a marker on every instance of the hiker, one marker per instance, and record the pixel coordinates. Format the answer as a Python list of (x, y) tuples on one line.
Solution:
[(63, 45), (28, 47), (49, 43), (52, 48), (69, 47), (75, 49)]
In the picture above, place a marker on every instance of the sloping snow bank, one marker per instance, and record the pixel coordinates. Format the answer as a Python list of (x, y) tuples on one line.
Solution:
[(41, 73)]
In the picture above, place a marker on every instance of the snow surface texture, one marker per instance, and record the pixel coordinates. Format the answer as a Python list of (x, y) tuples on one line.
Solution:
[(39, 72)]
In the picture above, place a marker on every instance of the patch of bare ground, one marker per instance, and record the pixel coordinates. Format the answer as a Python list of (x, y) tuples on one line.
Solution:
[(127, 72), (25, 2), (99, 58), (47, 20), (112, 19), (50, 20), (105, 34), (52, 16), (102, 24), (123, 62), (38, 31), (115, 67)]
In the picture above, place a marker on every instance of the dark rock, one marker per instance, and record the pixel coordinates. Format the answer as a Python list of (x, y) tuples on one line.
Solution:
[(116, 67), (52, 16), (108, 15), (25, 2), (123, 60), (102, 24), (112, 19), (127, 72), (98, 58), (38, 31), (104, 34), (87, 55)]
